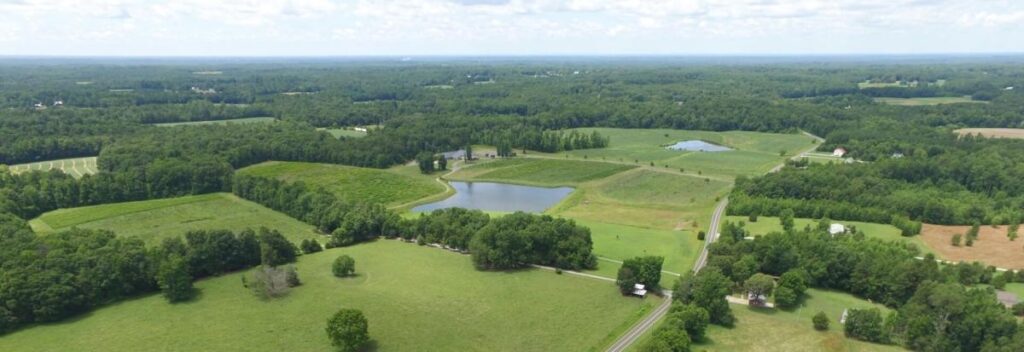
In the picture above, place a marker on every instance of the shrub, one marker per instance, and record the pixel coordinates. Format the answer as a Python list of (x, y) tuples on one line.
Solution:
[(174, 279), (820, 321), (785, 297), (969, 242), (310, 246), (348, 330), (343, 266), (1018, 309), (269, 282), (865, 324), (701, 235), (955, 241)]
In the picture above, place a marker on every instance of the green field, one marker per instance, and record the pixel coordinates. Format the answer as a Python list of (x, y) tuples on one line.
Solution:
[(620, 242), (76, 167), (926, 101), (218, 122), (415, 299), (539, 172), (886, 232), (154, 220), (352, 183), (343, 132), (754, 153)]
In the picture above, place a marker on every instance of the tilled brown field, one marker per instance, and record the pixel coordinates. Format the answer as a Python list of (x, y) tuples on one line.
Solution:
[(993, 132), (992, 246)]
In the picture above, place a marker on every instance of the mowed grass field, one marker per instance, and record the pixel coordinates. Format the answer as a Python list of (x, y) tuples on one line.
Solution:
[(415, 298), (993, 132), (885, 232), (537, 171), (927, 101), (218, 122), (76, 167), (154, 220), (753, 152), (772, 330), (343, 132), (352, 183), (620, 242)]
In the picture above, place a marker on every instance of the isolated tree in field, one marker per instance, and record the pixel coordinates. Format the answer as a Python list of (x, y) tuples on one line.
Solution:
[(442, 163), (269, 282), (759, 285), (425, 161), (348, 330), (343, 266), (786, 219), (820, 321), (969, 242), (973, 232), (174, 279), (469, 152), (955, 241)]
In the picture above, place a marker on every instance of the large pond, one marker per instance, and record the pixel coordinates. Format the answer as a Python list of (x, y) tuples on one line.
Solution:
[(698, 146), (499, 197)]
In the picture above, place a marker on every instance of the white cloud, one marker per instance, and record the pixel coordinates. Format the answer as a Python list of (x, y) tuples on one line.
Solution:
[(302, 27)]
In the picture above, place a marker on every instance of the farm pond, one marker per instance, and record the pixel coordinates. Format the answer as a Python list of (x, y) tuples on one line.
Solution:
[(491, 196), (698, 146)]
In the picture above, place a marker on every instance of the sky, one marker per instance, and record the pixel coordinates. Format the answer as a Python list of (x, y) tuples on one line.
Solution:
[(507, 27)]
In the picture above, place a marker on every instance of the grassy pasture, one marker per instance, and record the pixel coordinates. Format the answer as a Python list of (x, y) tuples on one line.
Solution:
[(76, 167), (753, 153), (759, 329), (218, 122), (538, 172), (620, 242), (927, 101), (154, 220), (352, 183), (993, 132), (886, 232), (415, 298)]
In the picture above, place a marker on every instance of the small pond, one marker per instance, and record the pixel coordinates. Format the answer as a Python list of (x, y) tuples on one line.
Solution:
[(490, 196), (698, 146)]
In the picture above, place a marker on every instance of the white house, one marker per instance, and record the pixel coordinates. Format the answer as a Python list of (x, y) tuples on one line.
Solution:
[(639, 290), (360, 129), (839, 152), (1009, 88), (836, 229), (58, 103)]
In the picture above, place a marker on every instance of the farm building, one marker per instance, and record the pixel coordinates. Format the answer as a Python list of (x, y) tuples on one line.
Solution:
[(360, 129), (839, 152), (455, 154), (836, 229), (639, 290)]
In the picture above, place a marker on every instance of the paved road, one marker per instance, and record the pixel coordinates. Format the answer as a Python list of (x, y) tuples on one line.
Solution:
[(712, 234), (640, 328)]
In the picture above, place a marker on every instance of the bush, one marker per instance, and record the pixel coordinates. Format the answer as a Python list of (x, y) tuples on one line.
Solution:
[(310, 246), (955, 241), (865, 324), (269, 282), (785, 297), (1018, 309), (820, 321), (701, 235), (348, 330), (343, 266), (667, 339)]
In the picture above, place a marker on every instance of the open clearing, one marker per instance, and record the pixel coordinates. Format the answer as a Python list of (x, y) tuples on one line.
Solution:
[(927, 101), (343, 132), (992, 246), (620, 242), (154, 220), (538, 172), (415, 299), (352, 183), (218, 122), (993, 132), (885, 232), (754, 153), (76, 167)]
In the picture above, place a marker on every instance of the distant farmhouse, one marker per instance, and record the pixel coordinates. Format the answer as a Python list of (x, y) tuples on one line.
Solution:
[(839, 152)]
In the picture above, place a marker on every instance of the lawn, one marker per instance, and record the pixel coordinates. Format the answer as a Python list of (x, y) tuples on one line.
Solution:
[(154, 220), (538, 172), (344, 132), (218, 122), (759, 329), (76, 167), (753, 152), (621, 242), (659, 199), (886, 232), (926, 101), (415, 298), (352, 183)]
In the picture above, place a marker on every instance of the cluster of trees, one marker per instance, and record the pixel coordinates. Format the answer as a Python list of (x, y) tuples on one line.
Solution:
[(347, 223), (640, 270), (48, 278), (684, 324), (535, 138), (935, 308)]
